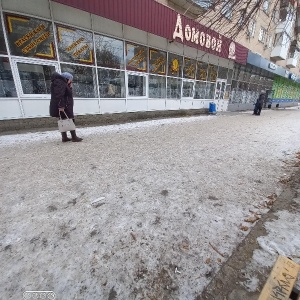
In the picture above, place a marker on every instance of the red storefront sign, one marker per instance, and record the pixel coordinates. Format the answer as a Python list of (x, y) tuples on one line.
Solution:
[(155, 18)]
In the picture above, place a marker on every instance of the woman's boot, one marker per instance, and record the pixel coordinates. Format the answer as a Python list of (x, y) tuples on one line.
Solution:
[(75, 138), (64, 137)]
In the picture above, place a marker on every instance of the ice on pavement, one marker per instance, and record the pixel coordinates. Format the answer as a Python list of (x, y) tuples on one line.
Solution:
[(144, 210)]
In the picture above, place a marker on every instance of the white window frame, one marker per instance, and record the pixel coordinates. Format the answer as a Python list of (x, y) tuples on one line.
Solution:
[(221, 81), (269, 41), (39, 62), (251, 27), (193, 93), (226, 11), (146, 75), (266, 6), (262, 34)]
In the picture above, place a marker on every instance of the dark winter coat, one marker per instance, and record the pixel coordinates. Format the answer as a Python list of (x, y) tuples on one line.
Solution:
[(61, 96), (261, 99)]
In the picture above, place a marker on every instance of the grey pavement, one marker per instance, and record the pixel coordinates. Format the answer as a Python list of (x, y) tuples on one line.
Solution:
[(147, 210)]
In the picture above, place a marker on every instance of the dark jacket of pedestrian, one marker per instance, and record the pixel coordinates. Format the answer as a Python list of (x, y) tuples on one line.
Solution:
[(62, 102), (61, 96), (261, 98)]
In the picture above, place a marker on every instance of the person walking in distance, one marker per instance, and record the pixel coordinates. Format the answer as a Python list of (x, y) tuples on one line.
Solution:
[(259, 103), (61, 103)]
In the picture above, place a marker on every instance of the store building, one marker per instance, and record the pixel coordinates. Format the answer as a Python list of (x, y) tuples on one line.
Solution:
[(126, 56)]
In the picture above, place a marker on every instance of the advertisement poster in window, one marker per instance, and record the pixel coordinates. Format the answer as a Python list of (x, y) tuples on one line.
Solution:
[(174, 65), (75, 45), (201, 71), (157, 62), (30, 37), (212, 73), (136, 57), (189, 69)]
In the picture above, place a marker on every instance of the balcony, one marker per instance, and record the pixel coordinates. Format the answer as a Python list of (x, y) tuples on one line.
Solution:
[(279, 53), (287, 17), (281, 48), (293, 60)]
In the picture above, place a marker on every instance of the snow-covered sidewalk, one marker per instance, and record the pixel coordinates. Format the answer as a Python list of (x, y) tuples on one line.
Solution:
[(137, 211)]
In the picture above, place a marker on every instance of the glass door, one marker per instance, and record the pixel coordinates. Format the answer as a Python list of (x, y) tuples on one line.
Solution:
[(34, 77), (137, 85), (220, 89)]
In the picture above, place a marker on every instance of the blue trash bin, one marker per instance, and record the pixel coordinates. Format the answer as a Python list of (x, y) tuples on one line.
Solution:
[(212, 108)]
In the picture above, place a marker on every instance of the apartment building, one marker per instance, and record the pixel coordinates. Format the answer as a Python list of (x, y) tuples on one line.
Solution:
[(126, 56)]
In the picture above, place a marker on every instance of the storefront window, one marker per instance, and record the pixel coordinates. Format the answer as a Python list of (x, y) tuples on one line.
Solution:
[(243, 86), (30, 37), (222, 73), (212, 73), (174, 65), (83, 80), (136, 57), (157, 86), (174, 88), (189, 69), (229, 76), (7, 85), (187, 89), (35, 79), (201, 71), (157, 61), (2, 40), (109, 52), (210, 90), (227, 92), (137, 85), (74, 45), (111, 83), (200, 90)]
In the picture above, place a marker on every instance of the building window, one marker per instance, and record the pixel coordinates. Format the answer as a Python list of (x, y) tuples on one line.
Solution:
[(189, 70), (262, 35), (174, 88), (3, 49), (203, 3), (30, 37), (229, 76), (210, 90), (83, 80), (136, 57), (137, 85), (35, 79), (251, 28), (212, 73), (227, 10), (7, 85), (109, 52), (157, 61), (200, 90), (157, 86), (266, 6), (201, 71), (269, 41), (222, 73), (174, 65), (75, 45), (187, 89), (111, 83)]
